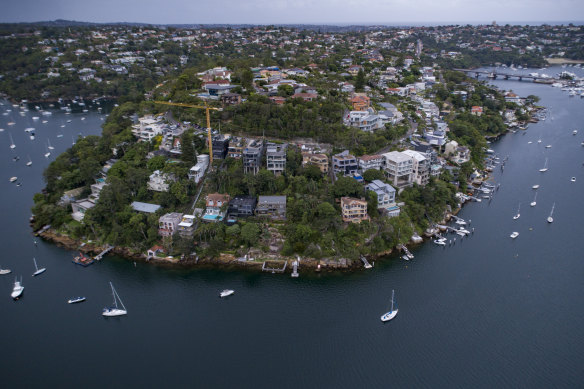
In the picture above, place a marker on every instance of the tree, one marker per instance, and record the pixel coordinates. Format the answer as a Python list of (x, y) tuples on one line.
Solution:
[(347, 186), (360, 81), (373, 174), (250, 233), (188, 156)]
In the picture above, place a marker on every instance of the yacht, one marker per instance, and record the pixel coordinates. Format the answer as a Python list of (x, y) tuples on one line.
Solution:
[(535, 186), (574, 132), (17, 290), (550, 219), (38, 271), (514, 235), (76, 300), (534, 203), (12, 179), (544, 168), (5, 271), (548, 147), (518, 214), (573, 179), (226, 292), (440, 242), (115, 310), (392, 312)]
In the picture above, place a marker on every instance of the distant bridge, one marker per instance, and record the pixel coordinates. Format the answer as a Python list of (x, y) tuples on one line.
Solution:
[(506, 76)]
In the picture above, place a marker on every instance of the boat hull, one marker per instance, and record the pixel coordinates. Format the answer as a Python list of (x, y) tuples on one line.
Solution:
[(111, 312), (226, 293), (76, 300), (388, 316)]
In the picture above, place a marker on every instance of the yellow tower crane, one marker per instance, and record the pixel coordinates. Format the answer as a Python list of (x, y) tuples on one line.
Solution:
[(206, 108)]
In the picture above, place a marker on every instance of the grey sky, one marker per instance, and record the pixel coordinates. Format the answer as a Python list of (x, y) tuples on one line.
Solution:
[(294, 11)]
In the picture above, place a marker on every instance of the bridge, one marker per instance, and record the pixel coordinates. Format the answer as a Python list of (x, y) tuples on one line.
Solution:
[(506, 76)]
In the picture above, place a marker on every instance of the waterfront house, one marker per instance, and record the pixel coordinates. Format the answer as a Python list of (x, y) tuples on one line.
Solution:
[(271, 206), (385, 193), (216, 206), (345, 163), (276, 157), (241, 207), (354, 210), (168, 223), (70, 196), (186, 226), (320, 160), (398, 168), (79, 208)]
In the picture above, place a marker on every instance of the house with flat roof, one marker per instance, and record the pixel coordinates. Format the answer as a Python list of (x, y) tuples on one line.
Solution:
[(345, 163), (168, 224), (276, 157), (252, 156), (197, 172), (144, 207), (367, 162), (354, 210), (80, 207), (186, 226), (220, 144), (271, 206), (241, 207), (399, 168), (236, 146), (421, 167)]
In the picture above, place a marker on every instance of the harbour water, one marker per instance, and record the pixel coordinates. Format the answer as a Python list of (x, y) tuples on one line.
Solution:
[(487, 312)]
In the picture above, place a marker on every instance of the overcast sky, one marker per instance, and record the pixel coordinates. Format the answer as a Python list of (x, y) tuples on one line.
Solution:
[(295, 11)]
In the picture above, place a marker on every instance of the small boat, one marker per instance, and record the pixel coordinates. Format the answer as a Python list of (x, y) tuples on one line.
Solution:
[(12, 179), (534, 203), (518, 214), (38, 271), (405, 257), (548, 147), (440, 242), (530, 142), (539, 141), (76, 300), (5, 271), (573, 179), (17, 289), (544, 168), (574, 132), (49, 145), (12, 145), (535, 186), (29, 163), (514, 235), (69, 121), (392, 312), (115, 310), (226, 292), (550, 219)]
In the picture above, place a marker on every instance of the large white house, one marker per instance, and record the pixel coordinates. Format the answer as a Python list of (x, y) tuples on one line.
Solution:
[(197, 172), (421, 167), (399, 168), (160, 182)]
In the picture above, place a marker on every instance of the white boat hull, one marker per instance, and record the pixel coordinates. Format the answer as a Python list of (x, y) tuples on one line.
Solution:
[(110, 312), (39, 271), (226, 293), (389, 315)]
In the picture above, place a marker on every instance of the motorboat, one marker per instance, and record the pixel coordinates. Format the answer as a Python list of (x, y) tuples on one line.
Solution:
[(5, 271), (514, 235), (76, 300), (440, 242), (534, 203), (574, 132), (226, 292), (518, 214), (392, 312), (17, 289), (115, 310), (536, 186), (573, 179), (548, 146), (12, 179)]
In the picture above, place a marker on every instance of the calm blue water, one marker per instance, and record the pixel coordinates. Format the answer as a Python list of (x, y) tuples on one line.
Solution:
[(487, 312)]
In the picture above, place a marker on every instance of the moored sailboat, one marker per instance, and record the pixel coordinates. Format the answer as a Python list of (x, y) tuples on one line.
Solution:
[(392, 312), (115, 310), (550, 218)]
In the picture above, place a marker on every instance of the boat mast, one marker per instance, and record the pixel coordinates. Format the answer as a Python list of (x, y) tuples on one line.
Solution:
[(392, 293)]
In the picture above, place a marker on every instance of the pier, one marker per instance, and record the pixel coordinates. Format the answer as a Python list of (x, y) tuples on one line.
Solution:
[(365, 262), (271, 267), (107, 249), (405, 250)]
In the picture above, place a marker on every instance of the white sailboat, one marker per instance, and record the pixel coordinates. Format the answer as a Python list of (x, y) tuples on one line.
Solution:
[(17, 289), (12, 145), (534, 203), (5, 271), (29, 163), (115, 310), (49, 145), (514, 234), (550, 219), (38, 271), (544, 168), (518, 214), (391, 314), (47, 154)]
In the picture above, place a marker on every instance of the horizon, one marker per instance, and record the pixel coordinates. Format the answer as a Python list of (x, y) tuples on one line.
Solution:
[(302, 12)]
